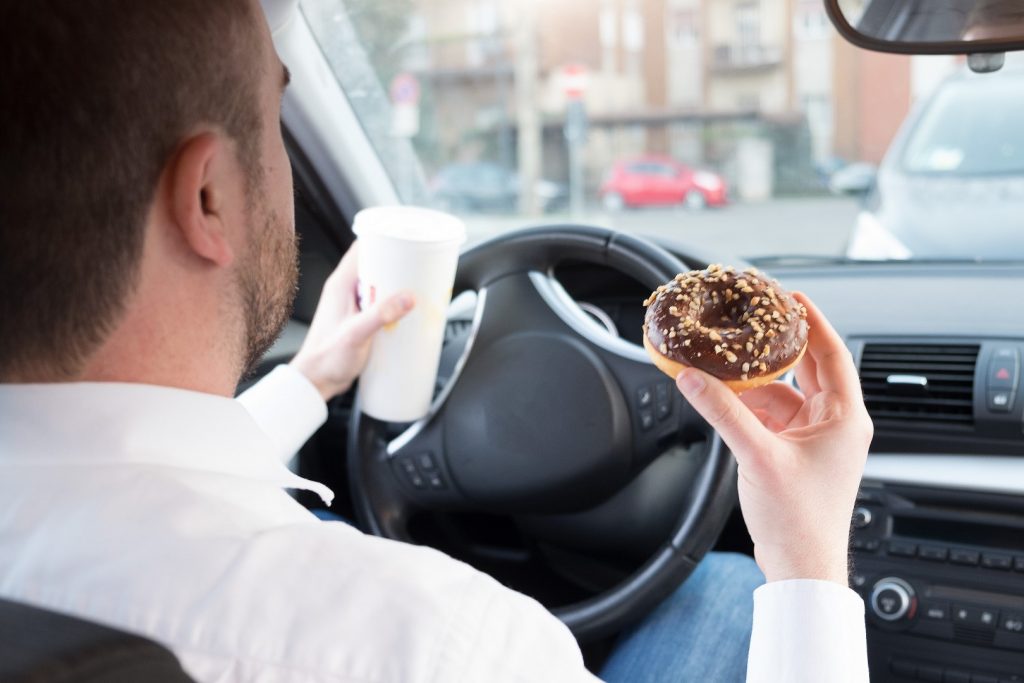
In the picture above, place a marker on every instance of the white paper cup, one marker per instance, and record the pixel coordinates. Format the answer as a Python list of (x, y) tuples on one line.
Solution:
[(406, 248)]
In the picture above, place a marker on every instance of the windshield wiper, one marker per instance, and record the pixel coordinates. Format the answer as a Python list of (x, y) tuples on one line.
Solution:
[(784, 260), (809, 260)]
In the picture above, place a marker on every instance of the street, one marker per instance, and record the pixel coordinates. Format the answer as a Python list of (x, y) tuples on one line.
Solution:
[(791, 226)]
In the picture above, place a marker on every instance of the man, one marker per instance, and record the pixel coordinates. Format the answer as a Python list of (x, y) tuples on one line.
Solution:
[(147, 258)]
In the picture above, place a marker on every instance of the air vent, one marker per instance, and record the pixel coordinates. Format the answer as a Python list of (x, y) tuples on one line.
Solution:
[(924, 385)]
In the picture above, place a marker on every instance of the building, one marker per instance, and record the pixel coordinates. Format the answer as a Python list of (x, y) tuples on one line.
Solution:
[(727, 84)]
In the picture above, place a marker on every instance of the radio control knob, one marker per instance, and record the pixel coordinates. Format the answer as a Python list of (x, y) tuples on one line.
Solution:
[(861, 517), (893, 599)]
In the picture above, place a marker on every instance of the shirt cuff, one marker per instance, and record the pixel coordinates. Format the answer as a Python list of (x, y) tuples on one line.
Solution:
[(287, 407), (807, 630)]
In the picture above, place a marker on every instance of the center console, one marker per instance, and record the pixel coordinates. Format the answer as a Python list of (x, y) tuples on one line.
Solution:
[(942, 577)]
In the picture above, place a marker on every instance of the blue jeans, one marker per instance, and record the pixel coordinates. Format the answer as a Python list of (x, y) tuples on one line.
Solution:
[(699, 633)]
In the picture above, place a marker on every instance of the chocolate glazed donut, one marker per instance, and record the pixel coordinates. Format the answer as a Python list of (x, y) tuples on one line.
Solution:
[(740, 326)]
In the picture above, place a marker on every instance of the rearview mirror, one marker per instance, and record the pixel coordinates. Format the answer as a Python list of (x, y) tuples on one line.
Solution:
[(974, 27)]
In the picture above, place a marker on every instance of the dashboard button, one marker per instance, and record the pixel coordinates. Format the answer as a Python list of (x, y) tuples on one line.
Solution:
[(996, 561), (981, 617), (861, 517), (1003, 369), (961, 556), (1000, 401), (869, 544), (936, 611), (902, 548), (932, 552), (1012, 622)]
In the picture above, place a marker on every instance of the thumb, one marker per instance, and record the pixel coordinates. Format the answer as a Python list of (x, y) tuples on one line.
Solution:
[(742, 432), (363, 325)]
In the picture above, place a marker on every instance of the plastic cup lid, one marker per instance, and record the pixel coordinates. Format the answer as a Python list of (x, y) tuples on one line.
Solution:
[(410, 223)]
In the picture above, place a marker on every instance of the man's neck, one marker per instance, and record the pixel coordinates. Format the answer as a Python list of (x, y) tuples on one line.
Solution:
[(167, 337)]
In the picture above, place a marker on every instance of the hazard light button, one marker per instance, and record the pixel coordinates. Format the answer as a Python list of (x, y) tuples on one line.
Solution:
[(1003, 369)]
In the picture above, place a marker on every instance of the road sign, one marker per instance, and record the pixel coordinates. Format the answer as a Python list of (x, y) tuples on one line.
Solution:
[(575, 81), (405, 89)]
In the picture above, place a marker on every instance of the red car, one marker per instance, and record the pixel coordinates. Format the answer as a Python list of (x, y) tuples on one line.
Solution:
[(660, 181)]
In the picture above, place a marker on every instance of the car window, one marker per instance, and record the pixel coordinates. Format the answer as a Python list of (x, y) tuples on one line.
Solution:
[(782, 123), (973, 127)]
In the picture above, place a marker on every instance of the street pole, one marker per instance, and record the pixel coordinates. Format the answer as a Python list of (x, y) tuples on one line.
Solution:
[(527, 116), (575, 135)]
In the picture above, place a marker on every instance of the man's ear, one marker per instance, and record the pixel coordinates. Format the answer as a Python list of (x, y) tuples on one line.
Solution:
[(199, 197)]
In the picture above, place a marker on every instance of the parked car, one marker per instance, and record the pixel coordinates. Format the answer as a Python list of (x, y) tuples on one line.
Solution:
[(660, 181), (485, 186), (951, 185)]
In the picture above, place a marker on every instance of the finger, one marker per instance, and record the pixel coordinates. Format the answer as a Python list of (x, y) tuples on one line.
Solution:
[(346, 273), (835, 370), (806, 372), (769, 422), (350, 262), (363, 325), (778, 401), (719, 405)]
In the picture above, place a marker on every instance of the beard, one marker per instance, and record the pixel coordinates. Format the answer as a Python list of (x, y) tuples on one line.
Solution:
[(267, 282)]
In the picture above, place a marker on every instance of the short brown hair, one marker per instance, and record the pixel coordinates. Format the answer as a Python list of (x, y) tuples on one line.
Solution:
[(97, 96)]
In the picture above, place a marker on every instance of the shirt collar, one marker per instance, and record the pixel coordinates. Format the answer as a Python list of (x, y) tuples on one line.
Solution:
[(85, 423)]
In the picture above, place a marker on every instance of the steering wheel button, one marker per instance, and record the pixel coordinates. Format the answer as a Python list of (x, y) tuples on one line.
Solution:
[(646, 419), (417, 481), (409, 467), (436, 482), (644, 397), (426, 462), (664, 410), (662, 393)]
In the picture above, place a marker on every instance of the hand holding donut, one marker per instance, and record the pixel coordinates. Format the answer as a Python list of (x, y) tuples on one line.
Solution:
[(801, 454)]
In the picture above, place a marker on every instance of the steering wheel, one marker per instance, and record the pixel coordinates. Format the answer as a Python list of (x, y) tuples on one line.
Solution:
[(547, 413)]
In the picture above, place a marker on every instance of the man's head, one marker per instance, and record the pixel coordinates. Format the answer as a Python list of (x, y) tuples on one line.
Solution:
[(140, 149)]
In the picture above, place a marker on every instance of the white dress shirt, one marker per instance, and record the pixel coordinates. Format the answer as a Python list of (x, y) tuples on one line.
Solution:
[(164, 512)]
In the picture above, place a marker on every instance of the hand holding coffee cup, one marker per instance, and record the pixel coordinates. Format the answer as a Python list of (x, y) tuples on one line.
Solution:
[(406, 249)]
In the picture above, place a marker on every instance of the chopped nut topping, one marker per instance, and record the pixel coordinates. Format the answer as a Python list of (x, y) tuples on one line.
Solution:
[(730, 356)]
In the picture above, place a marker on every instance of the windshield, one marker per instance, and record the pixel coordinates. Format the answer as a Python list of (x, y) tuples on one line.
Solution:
[(747, 128)]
